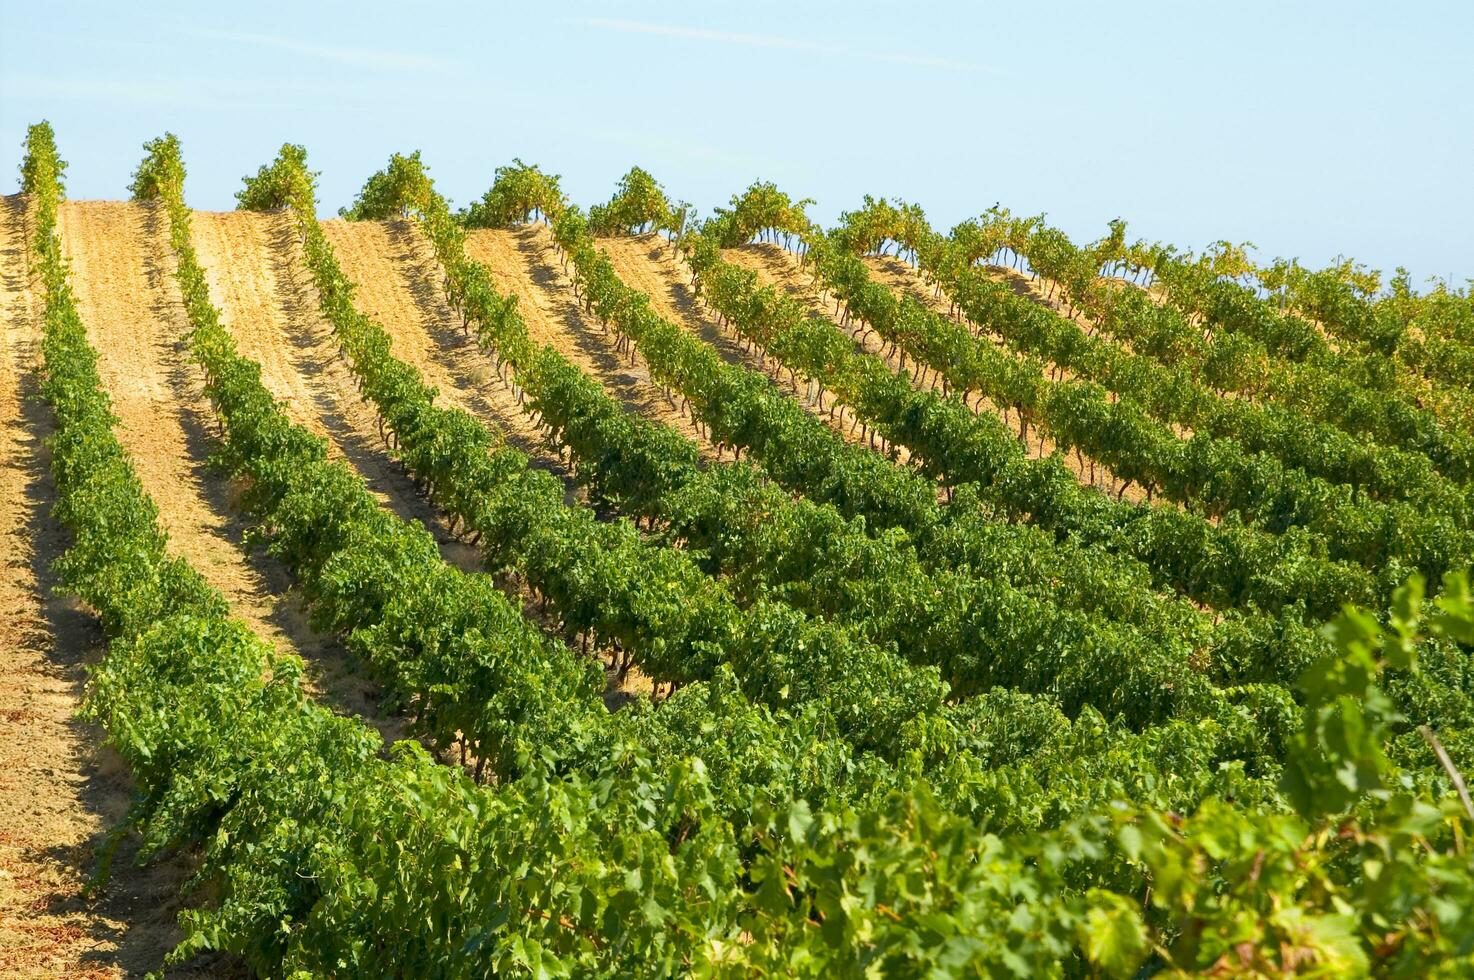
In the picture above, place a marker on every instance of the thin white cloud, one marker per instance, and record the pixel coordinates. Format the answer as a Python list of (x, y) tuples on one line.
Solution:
[(365, 57), (700, 34), (774, 41)]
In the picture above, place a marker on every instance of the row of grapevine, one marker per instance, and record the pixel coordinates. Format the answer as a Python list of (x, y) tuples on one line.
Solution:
[(950, 733), (631, 785), (323, 858), (929, 605), (1213, 475), (639, 205), (678, 624), (1225, 565), (1171, 391), (1361, 393), (981, 629), (1249, 347), (1235, 649), (1420, 361), (289, 804), (580, 415)]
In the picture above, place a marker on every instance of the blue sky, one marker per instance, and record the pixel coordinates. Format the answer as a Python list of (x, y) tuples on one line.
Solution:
[(1311, 129)]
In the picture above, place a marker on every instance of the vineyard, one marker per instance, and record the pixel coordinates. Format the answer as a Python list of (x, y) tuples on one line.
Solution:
[(553, 590)]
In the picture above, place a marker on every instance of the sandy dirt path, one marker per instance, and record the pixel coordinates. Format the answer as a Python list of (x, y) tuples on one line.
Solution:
[(398, 284), (126, 294), (647, 263), (61, 789), (523, 263), (251, 284), (398, 281), (128, 300), (261, 285)]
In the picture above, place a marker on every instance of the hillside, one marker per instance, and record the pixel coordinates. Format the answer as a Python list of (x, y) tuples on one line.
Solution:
[(756, 597)]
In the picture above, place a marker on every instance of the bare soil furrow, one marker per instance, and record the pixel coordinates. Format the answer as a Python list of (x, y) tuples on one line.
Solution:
[(649, 264), (61, 788), (524, 263)]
